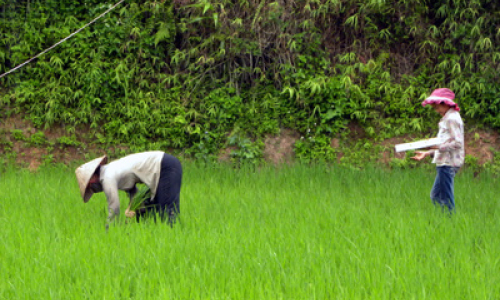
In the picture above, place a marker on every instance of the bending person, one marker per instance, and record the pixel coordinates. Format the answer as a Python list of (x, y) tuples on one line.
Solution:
[(161, 172)]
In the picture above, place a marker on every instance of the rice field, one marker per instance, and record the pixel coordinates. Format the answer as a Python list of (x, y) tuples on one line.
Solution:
[(295, 232)]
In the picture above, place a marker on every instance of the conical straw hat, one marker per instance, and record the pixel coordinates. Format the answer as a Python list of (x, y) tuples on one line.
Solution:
[(85, 172)]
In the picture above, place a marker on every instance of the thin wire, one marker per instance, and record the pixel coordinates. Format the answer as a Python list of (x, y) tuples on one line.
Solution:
[(61, 41)]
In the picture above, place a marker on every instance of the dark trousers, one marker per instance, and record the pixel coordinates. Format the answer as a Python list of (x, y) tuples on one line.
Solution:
[(167, 198)]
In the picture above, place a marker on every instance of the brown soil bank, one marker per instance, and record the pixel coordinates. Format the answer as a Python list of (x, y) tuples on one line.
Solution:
[(31, 147)]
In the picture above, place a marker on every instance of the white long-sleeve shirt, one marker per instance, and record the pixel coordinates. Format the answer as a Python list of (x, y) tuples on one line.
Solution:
[(451, 129), (125, 173)]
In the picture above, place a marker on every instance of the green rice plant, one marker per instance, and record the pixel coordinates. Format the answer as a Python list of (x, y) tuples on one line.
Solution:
[(142, 196), (288, 232)]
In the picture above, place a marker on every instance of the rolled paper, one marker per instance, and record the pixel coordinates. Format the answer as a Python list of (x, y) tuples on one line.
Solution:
[(419, 144)]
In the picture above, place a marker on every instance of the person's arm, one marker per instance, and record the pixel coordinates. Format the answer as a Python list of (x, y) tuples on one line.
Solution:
[(111, 190), (131, 193), (455, 141), (419, 155)]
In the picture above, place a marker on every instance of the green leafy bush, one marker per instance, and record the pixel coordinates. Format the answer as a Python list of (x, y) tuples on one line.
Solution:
[(161, 74)]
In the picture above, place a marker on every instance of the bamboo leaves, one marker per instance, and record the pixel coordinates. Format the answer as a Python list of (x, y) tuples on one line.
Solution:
[(170, 71), (483, 44), (163, 33)]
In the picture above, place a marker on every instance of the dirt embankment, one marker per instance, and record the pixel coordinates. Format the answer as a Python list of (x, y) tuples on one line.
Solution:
[(31, 147)]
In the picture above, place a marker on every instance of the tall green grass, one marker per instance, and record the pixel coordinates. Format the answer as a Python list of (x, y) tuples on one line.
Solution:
[(296, 232)]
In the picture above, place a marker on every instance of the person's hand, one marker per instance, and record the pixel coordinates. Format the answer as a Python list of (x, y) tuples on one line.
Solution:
[(129, 213), (419, 155)]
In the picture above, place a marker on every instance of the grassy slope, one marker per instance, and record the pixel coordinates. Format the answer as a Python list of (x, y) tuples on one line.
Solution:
[(293, 233)]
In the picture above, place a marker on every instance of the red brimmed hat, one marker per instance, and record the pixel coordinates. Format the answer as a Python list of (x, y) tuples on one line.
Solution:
[(443, 95)]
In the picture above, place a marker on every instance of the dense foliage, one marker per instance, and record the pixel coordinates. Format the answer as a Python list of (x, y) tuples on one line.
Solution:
[(201, 75)]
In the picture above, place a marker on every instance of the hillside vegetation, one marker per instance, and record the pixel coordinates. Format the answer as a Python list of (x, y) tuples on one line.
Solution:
[(200, 76)]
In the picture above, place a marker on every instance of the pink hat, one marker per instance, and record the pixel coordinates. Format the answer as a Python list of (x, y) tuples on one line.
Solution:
[(444, 95)]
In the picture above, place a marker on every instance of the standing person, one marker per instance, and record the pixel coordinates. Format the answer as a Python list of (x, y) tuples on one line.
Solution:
[(448, 156), (161, 172)]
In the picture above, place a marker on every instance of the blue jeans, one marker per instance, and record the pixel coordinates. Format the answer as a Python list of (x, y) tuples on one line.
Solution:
[(442, 190)]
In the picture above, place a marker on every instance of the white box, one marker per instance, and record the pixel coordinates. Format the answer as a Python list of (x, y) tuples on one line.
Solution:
[(419, 144)]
